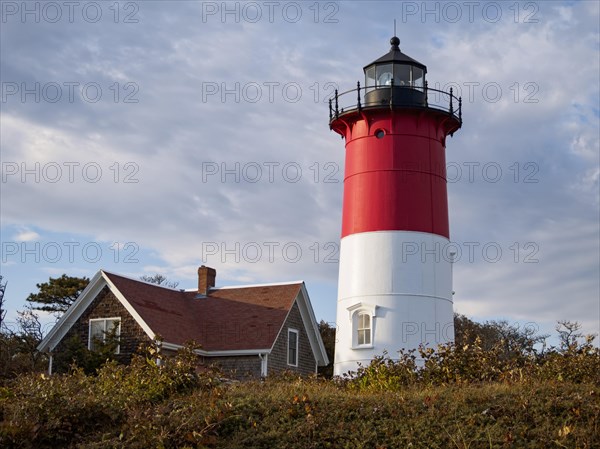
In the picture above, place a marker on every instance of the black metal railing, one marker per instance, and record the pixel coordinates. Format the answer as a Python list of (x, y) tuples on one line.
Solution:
[(393, 97)]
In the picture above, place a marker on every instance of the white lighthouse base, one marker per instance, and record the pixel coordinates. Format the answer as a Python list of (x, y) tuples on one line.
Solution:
[(403, 281)]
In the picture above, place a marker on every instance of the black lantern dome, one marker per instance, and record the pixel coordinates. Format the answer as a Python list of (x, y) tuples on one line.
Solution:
[(402, 76)]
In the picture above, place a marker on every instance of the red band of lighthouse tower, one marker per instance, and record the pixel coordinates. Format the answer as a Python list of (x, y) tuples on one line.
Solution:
[(395, 279)]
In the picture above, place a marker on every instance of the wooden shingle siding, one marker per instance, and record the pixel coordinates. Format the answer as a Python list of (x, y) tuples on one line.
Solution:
[(278, 357), (106, 305), (237, 367)]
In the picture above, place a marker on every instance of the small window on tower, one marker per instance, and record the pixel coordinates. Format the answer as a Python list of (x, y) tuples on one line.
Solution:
[(380, 133), (364, 329), (362, 317)]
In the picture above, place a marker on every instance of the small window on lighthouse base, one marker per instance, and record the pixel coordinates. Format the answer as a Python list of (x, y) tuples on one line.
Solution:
[(380, 133), (362, 317), (364, 329)]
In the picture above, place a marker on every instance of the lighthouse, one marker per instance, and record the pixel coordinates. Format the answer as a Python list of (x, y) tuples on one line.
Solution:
[(395, 274)]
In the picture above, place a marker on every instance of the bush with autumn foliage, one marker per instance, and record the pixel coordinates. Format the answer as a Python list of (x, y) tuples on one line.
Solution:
[(461, 396)]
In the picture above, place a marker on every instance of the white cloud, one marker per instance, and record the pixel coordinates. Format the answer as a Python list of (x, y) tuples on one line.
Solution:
[(26, 235)]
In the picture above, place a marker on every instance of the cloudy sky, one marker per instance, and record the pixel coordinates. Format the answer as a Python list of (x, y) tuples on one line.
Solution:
[(155, 136)]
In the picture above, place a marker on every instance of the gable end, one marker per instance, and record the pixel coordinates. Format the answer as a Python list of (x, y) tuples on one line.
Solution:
[(106, 305), (278, 358)]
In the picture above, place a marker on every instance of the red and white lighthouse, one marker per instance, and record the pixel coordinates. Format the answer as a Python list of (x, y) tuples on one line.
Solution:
[(395, 279)]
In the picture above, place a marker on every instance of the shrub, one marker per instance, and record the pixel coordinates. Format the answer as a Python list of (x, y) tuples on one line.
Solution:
[(456, 397), (471, 363), (385, 374), (578, 362), (58, 411)]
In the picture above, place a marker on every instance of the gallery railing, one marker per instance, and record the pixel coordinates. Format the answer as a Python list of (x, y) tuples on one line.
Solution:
[(394, 97)]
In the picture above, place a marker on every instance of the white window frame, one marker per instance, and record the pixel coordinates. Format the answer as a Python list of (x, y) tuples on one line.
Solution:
[(106, 320), (367, 331), (293, 331), (354, 312)]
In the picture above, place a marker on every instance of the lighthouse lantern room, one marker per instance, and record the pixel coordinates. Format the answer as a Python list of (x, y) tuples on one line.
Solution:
[(398, 70), (395, 278)]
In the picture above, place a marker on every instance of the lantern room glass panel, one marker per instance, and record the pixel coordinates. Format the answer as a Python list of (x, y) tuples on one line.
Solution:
[(384, 74), (402, 75), (370, 77), (417, 77), (370, 80)]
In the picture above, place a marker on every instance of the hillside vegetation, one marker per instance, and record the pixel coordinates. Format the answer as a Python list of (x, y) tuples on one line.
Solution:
[(462, 397)]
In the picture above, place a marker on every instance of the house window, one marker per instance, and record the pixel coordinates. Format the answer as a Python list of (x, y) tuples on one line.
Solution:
[(292, 347), (101, 329), (364, 329)]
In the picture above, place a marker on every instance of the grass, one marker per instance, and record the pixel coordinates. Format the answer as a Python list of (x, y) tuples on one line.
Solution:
[(301, 413)]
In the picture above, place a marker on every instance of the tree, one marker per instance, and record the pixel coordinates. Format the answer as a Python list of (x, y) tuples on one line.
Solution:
[(568, 333), (58, 294), (2, 310), (18, 348), (514, 339), (159, 279), (328, 336), (466, 331), (29, 335)]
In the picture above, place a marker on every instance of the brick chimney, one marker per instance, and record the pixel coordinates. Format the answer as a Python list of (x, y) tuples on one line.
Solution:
[(206, 279)]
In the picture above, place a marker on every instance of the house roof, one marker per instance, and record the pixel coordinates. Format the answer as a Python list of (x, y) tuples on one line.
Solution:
[(226, 321)]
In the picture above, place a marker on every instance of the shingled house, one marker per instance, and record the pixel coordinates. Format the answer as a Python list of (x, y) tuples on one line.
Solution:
[(249, 331)]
